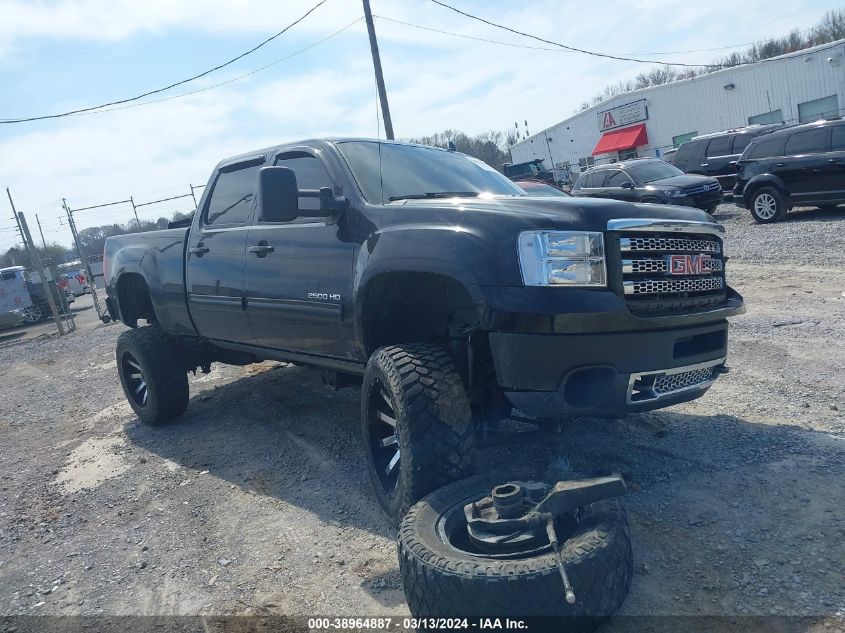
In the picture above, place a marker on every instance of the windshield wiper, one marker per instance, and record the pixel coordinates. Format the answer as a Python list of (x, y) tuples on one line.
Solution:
[(435, 194)]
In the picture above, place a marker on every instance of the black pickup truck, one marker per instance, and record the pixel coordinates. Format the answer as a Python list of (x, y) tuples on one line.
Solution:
[(427, 277)]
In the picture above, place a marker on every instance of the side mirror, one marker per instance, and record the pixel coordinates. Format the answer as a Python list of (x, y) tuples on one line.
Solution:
[(278, 194), (627, 185)]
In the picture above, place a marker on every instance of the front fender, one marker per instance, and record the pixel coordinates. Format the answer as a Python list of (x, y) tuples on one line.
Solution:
[(459, 253)]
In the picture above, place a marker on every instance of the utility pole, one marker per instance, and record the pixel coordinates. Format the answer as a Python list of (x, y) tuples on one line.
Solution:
[(36, 264), (135, 211), (382, 93), (40, 230), (84, 259), (196, 207), (54, 272), (15, 215)]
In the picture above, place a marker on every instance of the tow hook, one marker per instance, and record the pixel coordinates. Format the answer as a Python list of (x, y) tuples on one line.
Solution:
[(525, 515)]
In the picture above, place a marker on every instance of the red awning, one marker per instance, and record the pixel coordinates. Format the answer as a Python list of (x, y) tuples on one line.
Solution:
[(626, 138)]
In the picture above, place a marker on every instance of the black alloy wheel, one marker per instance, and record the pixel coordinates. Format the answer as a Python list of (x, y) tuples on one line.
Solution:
[(133, 377), (384, 443)]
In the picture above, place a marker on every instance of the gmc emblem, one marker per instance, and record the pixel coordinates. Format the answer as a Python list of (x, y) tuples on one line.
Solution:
[(690, 264)]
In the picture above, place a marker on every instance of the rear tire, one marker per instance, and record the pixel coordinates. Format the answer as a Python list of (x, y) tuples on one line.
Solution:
[(767, 205), (414, 404), (152, 375), (442, 579)]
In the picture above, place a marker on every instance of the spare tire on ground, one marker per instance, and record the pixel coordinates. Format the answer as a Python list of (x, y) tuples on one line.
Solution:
[(446, 575)]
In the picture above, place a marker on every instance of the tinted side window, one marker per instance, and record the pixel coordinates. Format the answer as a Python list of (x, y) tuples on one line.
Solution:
[(595, 179), (838, 141), (741, 141), (768, 147), (807, 142), (616, 178), (720, 146), (233, 196), (310, 174)]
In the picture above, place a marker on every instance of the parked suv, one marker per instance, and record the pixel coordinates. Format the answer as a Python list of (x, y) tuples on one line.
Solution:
[(798, 165), (716, 154), (649, 180)]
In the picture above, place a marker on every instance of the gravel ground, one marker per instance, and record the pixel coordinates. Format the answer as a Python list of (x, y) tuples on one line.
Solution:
[(257, 500)]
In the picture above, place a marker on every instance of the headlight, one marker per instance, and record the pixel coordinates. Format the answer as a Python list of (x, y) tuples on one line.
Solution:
[(675, 193), (562, 258)]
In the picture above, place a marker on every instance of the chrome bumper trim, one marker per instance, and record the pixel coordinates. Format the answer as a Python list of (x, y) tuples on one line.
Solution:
[(646, 393), (665, 226)]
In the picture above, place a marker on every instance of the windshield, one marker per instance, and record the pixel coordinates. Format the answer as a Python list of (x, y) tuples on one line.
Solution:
[(649, 172), (391, 171)]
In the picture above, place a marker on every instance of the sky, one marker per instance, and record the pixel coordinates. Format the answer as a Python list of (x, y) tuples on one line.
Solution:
[(60, 55)]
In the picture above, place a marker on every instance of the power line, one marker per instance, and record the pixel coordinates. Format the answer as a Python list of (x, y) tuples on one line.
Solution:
[(561, 50), (173, 85), (573, 48), (228, 81)]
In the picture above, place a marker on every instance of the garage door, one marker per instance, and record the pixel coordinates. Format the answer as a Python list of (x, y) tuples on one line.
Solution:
[(818, 109)]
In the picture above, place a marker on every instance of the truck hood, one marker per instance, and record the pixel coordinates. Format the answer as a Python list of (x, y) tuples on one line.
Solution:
[(682, 181), (526, 212)]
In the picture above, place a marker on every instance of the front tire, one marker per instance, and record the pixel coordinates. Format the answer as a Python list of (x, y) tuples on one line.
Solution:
[(151, 374), (444, 575), (767, 205), (416, 424)]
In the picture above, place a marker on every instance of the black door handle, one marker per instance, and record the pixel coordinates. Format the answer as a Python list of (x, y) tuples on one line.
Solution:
[(199, 250), (261, 249), (780, 164)]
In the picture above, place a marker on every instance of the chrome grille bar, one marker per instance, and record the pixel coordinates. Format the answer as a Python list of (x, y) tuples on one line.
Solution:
[(658, 244), (658, 265), (660, 286)]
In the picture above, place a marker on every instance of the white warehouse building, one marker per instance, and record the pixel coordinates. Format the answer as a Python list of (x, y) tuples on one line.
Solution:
[(798, 87)]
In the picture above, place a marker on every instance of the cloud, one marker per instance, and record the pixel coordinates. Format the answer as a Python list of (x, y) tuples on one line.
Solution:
[(434, 82)]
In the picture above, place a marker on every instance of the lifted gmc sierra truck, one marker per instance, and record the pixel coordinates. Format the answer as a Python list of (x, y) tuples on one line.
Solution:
[(430, 279)]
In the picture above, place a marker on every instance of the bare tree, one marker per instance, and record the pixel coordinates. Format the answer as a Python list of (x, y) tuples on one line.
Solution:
[(830, 28)]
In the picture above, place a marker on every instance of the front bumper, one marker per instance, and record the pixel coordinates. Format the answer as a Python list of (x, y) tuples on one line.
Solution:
[(552, 375), (703, 201)]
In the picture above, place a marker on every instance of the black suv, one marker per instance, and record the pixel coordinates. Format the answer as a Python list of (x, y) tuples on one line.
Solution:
[(649, 180), (716, 154), (801, 164)]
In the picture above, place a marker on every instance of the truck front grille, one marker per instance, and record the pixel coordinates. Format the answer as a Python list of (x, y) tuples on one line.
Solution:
[(662, 272)]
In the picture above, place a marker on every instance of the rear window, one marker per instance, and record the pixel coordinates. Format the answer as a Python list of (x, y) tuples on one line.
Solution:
[(766, 147), (720, 146), (807, 142)]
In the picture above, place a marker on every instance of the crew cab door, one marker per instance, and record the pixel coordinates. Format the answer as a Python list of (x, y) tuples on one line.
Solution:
[(834, 165), (619, 186), (299, 273), (802, 167), (216, 251)]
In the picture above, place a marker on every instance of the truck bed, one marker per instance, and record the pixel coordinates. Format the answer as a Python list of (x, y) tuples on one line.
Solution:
[(159, 257)]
